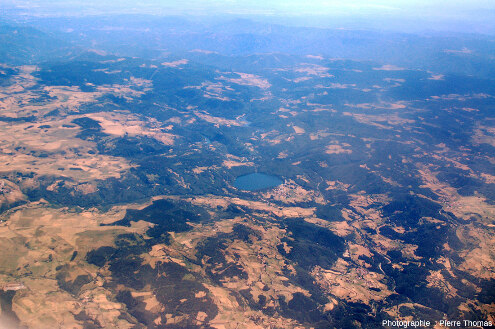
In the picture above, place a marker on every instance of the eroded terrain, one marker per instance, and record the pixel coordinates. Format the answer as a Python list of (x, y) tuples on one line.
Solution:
[(119, 209)]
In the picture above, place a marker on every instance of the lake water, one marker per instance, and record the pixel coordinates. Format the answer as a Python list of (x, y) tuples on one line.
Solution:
[(256, 181)]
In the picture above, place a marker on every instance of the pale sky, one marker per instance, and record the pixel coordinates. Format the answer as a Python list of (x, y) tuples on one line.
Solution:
[(280, 7), (452, 15), (328, 6)]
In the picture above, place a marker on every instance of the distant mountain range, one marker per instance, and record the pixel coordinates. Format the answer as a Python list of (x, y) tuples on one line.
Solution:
[(152, 37)]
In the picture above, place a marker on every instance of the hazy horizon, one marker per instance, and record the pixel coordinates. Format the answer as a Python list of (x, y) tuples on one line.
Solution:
[(440, 15)]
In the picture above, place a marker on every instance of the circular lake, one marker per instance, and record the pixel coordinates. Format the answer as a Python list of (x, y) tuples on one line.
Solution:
[(256, 181)]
